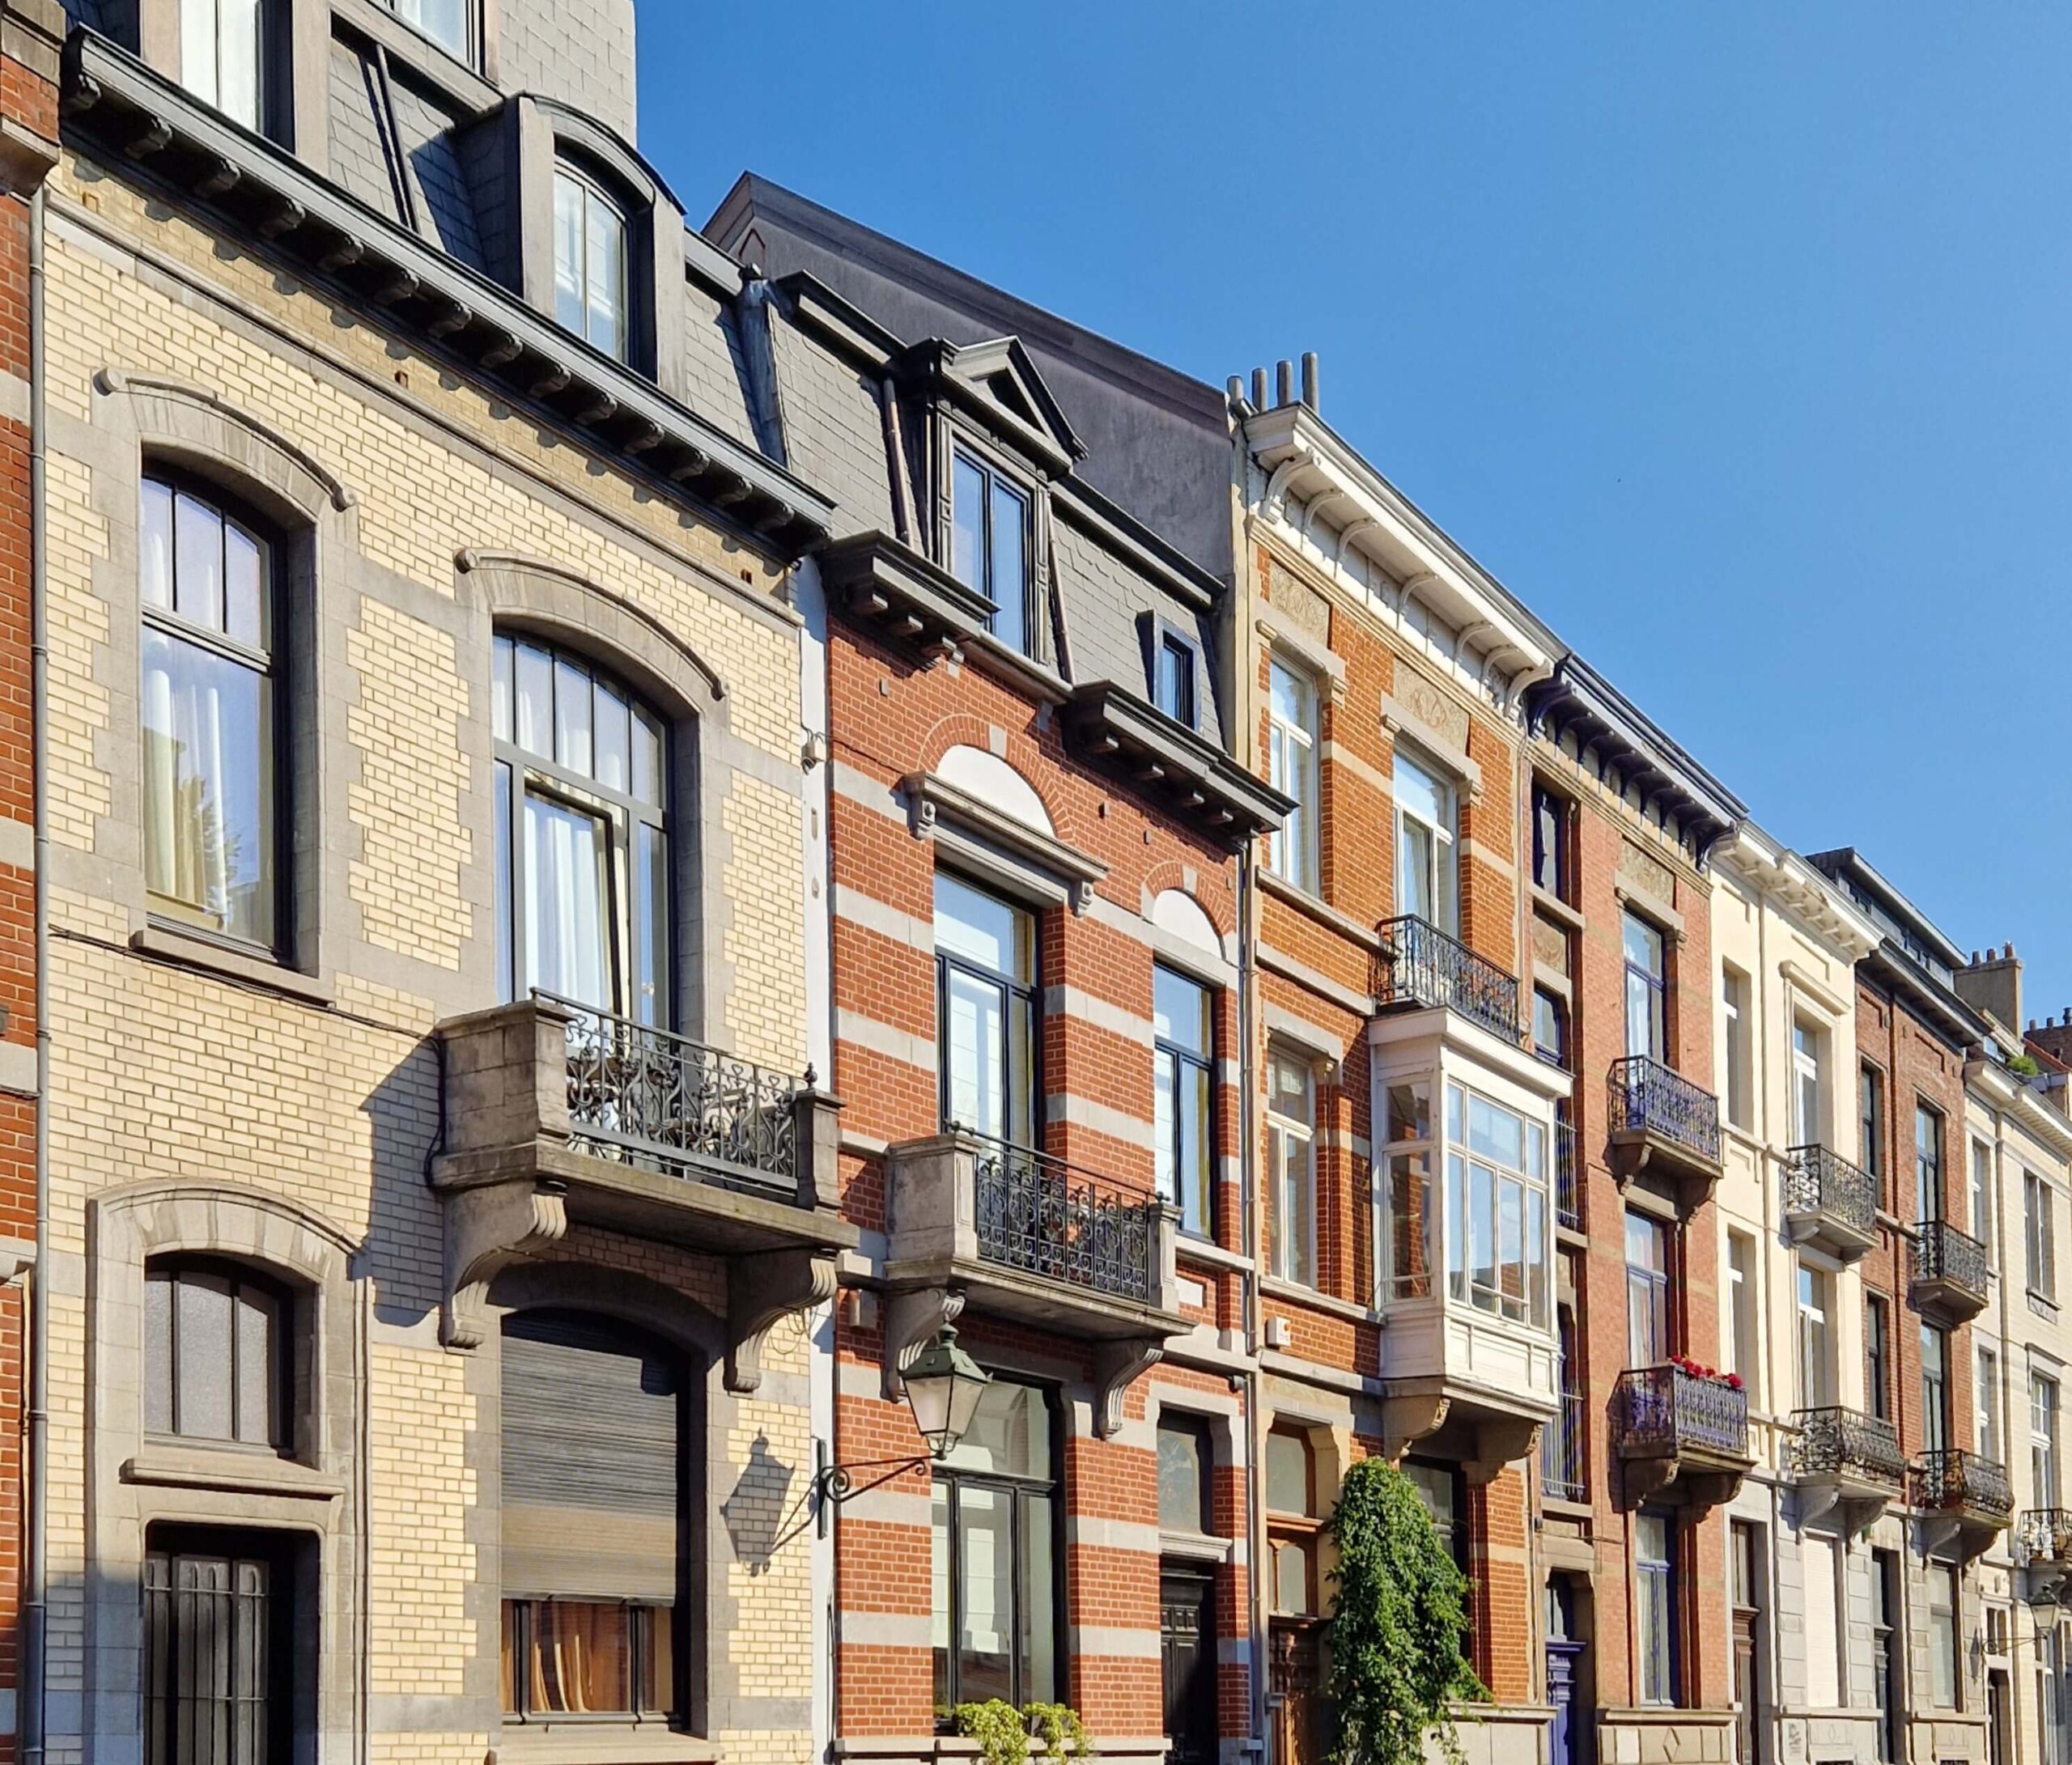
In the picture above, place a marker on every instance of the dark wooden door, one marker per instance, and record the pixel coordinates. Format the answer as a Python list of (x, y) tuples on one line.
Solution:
[(1747, 1681), (1186, 1635), (1297, 1687)]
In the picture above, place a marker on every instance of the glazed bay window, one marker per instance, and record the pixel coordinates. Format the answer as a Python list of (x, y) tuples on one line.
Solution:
[(590, 270), (582, 848), (1291, 1126), (218, 1365), (1497, 1224), (221, 45), (211, 812), (994, 1515), (448, 22), (1292, 768), (990, 543), (1183, 1044), (985, 1012), (1426, 884)]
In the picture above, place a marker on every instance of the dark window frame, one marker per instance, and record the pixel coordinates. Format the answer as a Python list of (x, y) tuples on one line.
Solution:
[(596, 188), (285, 1556), (1199, 1429), (1553, 841), (517, 1612), (996, 476), (1026, 995), (1878, 1355), (1870, 1118), (1184, 1061), (1668, 1571), (1929, 1167), (286, 1346), (1658, 985)]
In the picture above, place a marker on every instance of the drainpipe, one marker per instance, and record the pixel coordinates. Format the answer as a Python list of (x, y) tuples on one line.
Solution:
[(1257, 1557), (36, 1526)]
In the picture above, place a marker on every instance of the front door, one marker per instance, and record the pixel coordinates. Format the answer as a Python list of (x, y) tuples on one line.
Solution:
[(1748, 1693), (1998, 1750), (1186, 1635), (1296, 1695), (1563, 1732)]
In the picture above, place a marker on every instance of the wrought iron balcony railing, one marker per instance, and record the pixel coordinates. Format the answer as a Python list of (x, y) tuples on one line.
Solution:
[(642, 1095), (2045, 1534), (1038, 1214), (1954, 1261), (1847, 1445), (1568, 1176), (1423, 966), (1667, 1411), (1824, 1185), (1561, 1451), (1950, 1480), (1648, 1097)]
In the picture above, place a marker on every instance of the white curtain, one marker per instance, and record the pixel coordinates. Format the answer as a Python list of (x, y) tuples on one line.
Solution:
[(205, 766), (568, 944)]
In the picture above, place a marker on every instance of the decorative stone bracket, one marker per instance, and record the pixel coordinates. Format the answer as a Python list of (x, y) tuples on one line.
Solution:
[(762, 1289), (487, 1229)]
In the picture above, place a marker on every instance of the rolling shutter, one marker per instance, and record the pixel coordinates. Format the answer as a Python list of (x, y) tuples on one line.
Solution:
[(592, 1446)]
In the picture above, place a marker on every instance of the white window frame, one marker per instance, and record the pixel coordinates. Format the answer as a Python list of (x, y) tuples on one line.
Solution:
[(1286, 1134), (1981, 1188), (1986, 1394), (207, 51), (1809, 1085), (1291, 770), (1743, 1333), (1442, 875), (2046, 1465), (1734, 1043), (1818, 1364), (592, 192), (2039, 1235)]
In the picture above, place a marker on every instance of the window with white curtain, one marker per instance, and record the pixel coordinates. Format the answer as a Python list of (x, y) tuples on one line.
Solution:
[(1292, 769), (1816, 1337), (221, 43), (210, 814), (583, 874), (1425, 884), (590, 274), (1988, 1397), (1809, 1113), (2040, 1229)]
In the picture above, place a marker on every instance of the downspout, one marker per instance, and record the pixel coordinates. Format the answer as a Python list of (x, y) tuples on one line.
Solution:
[(35, 1518), (1258, 1557)]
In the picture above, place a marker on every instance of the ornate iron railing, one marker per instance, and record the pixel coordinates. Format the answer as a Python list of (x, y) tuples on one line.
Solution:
[(1951, 1480), (1824, 1183), (1561, 1446), (1955, 1259), (2046, 1534), (1424, 966), (1568, 1176), (1649, 1097), (642, 1095), (1846, 1443), (1037, 1213), (1665, 1411)]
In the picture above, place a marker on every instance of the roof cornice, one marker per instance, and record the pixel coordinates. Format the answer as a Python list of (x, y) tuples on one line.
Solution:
[(112, 102), (1787, 879)]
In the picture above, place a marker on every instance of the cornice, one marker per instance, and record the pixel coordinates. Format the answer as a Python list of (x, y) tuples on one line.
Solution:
[(1784, 877)]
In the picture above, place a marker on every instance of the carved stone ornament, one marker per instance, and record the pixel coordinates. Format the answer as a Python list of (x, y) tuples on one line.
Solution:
[(486, 1230), (762, 1289)]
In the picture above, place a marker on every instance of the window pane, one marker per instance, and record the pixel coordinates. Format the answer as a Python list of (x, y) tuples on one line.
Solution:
[(1010, 575), (1414, 892), (499, 689), (939, 1578), (1181, 1473), (572, 717), (1010, 1433), (658, 1658), (651, 925), (650, 777), (197, 533), (535, 672), (1287, 1474), (1179, 1010), (613, 740), (985, 1572), (154, 546), (208, 787), (507, 982), (1420, 793), (255, 1370), (1197, 1176), (245, 608), (1290, 1096), (1039, 1627), (606, 264), (238, 60), (974, 1038), (1291, 1577), (967, 505), (567, 946), (158, 1353), (568, 237), (582, 1657), (201, 1323), (197, 48), (981, 927)]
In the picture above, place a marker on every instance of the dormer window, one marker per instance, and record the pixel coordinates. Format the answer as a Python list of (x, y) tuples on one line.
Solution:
[(219, 56), (989, 544), (1173, 680), (589, 262), (448, 22)]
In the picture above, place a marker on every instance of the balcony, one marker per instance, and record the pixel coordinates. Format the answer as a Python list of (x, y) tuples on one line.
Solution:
[(1948, 1271), (1963, 1498), (1843, 1460), (1017, 1234), (1676, 1430), (1424, 968), (1829, 1202), (558, 1115), (2045, 1535), (1664, 1125)]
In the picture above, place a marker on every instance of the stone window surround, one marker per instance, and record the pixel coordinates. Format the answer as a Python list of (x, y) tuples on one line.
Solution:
[(134, 1481)]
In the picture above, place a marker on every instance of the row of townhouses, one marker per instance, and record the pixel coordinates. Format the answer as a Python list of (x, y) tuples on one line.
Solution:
[(630, 853)]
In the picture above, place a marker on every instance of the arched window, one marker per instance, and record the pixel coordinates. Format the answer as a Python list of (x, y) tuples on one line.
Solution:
[(592, 1469), (207, 585), (590, 263), (582, 834), (218, 1364)]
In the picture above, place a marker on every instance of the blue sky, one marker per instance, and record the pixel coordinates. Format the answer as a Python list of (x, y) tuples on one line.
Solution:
[(1731, 337)]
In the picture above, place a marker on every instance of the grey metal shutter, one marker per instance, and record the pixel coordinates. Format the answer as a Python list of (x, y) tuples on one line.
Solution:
[(592, 1448)]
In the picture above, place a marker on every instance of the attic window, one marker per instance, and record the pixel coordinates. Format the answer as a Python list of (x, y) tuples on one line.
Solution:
[(989, 543), (1173, 680), (590, 278), (448, 22)]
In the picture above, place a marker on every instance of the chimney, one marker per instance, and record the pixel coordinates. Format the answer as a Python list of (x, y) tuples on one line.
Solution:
[(1309, 379), (1258, 388), (1284, 383), (1992, 983)]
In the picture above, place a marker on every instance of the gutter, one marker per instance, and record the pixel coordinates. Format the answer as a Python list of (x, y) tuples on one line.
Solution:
[(36, 1517)]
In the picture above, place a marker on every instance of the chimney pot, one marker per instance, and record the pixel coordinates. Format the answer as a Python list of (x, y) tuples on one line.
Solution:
[(1310, 379), (1258, 388), (2007, 952), (1284, 382)]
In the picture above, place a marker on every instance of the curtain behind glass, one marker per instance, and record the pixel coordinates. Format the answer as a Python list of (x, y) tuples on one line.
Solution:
[(568, 935)]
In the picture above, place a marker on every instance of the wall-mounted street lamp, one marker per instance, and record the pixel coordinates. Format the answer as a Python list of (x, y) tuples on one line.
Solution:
[(944, 1386)]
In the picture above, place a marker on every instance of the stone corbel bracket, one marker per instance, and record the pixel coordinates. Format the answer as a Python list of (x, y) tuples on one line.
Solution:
[(763, 1289), (487, 1229), (1116, 1365), (912, 1320)]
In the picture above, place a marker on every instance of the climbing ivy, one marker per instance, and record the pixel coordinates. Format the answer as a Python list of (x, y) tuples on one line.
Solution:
[(1399, 1624)]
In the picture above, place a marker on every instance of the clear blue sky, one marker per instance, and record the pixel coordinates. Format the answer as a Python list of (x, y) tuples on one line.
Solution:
[(1732, 338)]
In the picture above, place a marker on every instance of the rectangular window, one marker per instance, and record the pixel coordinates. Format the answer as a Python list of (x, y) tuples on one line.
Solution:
[(1809, 1111), (221, 45), (1733, 1045), (1550, 1028), (1942, 1654), (985, 1012), (1424, 823), (1292, 1168), (588, 1658), (1173, 688), (1870, 1120), (1654, 1573), (1981, 1178), (1987, 1398), (1878, 1355), (1183, 1043), (1742, 1333), (1888, 1649), (590, 274), (1647, 1290), (1935, 1388), (448, 22), (1497, 1221), (1292, 768), (990, 544), (1927, 1163), (1185, 1456), (2043, 1439), (1816, 1338), (1550, 843), (2040, 1232), (1646, 989)]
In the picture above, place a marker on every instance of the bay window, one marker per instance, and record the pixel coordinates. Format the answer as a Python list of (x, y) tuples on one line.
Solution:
[(1292, 770), (1182, 1045), (985, 1012), (591, 274), (581, 840), (206, 582)]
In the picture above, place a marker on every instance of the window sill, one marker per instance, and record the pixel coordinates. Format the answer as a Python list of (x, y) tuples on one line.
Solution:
[(1555, 908), (1295, 1293), (1207, 1253), (989, 655), (167, 944), (1194, 1546), (167, 1465), (2043, 1305), (1303, 900), (598, 1743), (1561, 1509)]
